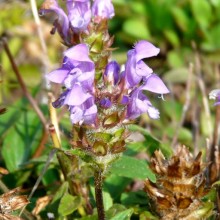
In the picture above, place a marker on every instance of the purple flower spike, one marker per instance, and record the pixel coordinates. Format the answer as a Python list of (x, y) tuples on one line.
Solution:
[(112, 71), (153, 83), (79, 14), (103, 8), (139, 104), (62, 22), (135, 68)]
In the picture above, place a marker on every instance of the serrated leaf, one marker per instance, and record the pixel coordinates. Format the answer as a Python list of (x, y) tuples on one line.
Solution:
[(69, 204), (132, 168)]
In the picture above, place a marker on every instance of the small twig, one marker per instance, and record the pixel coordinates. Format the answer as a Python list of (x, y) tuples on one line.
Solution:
[(203, 91), (195, 123), (185, 107), (42, 143), (98, 194), (50, 157), (37, 21), (22, 84)]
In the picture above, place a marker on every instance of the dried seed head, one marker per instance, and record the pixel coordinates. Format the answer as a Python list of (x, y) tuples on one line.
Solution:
[(180, 186)]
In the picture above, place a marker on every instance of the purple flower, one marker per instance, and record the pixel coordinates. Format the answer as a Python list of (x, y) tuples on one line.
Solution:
[(106, 103), (135, 68), (103, 9), (77, 68), (153, 83), (139, 104), (79, 14), (62, 22), (77, 75), (84, 113), (112, 72), (215, 94)]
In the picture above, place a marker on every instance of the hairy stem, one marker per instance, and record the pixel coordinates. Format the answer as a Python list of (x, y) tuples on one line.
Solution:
[(98, 194)]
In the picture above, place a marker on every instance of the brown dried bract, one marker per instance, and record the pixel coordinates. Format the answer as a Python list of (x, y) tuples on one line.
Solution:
[(10, 202)]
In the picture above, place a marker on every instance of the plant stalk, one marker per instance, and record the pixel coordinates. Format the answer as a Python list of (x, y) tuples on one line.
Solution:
[(98, 194)]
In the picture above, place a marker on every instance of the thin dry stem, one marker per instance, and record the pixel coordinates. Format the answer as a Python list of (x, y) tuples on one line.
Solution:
[(53, 115), (185, 107), (202, 88), (50, 157), (22, 84)]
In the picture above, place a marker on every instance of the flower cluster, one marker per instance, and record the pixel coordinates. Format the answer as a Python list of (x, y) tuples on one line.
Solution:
[(78, 17), (101, 96), (125, 89)]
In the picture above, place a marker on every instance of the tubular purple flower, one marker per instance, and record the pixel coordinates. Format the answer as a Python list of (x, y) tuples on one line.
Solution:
[(139, 104), (215, 94), (103, 9), (106, 103), (112, 72), (77, 68), (135, 68), (84, 113), (153, 83), (62, 22), (79, 14)]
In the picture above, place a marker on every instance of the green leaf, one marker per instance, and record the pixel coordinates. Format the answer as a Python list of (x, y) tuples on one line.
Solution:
[(151, 143), (12, 114), (134, 198), (21, 140), (136, 24), (107, 199), (172, 37), (69, 204), (60, 192), (124, 215), (115, 185), (202, 11), (212, 42), (177, 75), (180, 18), (175, 60), (147, 215), (132, 168)]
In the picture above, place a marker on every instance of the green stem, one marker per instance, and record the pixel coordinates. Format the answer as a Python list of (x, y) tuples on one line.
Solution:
[(98, 194)]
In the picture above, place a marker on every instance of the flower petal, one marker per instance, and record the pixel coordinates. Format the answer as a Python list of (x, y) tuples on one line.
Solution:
[(153, 113), (57, 76), (76, 114), (79, 53), (145, 49), (154, 84), (76, 96), (103, 8)]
